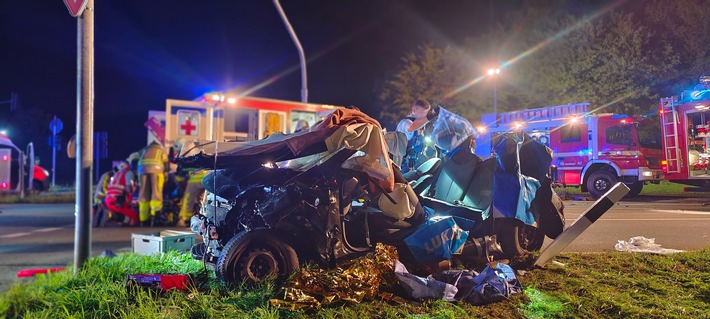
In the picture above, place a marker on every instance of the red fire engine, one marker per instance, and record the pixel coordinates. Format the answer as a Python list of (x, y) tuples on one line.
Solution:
[(593, 151), (685, 125)]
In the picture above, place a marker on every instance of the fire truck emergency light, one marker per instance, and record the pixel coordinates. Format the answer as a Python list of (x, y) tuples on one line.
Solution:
[(700, 106), (232, 100), (4, 158), (4, 185)]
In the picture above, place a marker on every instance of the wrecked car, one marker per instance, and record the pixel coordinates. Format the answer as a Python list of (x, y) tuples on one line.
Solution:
[(330, 194)]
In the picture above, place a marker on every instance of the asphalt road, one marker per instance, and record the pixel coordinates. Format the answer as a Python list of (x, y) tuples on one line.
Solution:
[(40, 236)]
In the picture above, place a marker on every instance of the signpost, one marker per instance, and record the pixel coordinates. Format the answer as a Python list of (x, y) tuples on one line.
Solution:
[(56, 126), (84, 11), (76, 7)]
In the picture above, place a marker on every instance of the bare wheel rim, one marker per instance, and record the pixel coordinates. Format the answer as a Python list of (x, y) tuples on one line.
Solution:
[(258, 264), (526, 236)]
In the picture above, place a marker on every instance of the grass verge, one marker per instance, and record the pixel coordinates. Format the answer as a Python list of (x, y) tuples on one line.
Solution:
[(40, 198), (582, 285), (664, 188)]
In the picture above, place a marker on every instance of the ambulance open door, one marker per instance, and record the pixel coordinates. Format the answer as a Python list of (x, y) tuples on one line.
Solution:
[(271, 122)]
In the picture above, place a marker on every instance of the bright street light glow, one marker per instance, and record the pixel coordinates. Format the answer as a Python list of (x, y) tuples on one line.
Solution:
[(481, 129), (232, 100), (3, 132), (574, 120), (493, 71)]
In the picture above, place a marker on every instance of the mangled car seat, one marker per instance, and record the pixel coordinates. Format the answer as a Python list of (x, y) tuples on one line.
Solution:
[(463, 187), (421, 178)]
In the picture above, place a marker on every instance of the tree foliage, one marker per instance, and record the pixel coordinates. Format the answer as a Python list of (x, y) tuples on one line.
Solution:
[(619, 60)]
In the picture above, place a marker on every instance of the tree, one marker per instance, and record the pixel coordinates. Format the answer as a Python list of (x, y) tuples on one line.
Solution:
[(430, 72), (682, 26)]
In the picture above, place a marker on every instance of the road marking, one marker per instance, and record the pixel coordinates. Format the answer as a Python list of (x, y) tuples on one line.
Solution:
[(15, 235), (689, 212), (41, 230), (44, 230)]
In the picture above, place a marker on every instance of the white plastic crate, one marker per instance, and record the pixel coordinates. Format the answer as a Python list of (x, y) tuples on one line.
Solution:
[(162, 241)]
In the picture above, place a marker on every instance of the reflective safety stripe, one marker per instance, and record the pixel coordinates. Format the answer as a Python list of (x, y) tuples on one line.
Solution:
[(197, 177), (144, 209)]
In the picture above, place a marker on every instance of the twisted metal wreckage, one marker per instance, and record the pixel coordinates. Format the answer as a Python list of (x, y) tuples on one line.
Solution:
[(330, 195)]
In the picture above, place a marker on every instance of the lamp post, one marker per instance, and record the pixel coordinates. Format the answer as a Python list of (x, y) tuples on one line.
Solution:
[(494, 73)]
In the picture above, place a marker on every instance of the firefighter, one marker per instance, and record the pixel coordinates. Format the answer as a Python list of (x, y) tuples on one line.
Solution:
[(152, 167), (193, 191), (99, 195), (119, 194)]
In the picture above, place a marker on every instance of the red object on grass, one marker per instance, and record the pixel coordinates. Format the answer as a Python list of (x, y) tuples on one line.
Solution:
[(160, 282), (33, 272)]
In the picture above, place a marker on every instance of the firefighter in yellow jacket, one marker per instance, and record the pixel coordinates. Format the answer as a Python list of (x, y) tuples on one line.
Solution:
[(193, 190), (152, 166)]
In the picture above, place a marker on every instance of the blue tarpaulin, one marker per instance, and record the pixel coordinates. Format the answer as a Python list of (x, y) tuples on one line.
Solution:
[(439, 238)]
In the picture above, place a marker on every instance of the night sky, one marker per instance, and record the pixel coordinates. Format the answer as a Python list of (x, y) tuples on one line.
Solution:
[(148, 51)]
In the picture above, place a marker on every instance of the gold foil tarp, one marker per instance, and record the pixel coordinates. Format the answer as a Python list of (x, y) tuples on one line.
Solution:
[(359, 280)]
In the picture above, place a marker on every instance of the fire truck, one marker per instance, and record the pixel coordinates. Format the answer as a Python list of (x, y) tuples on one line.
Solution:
[(13, 161), (593, 151), (685, 125), (219, 117)]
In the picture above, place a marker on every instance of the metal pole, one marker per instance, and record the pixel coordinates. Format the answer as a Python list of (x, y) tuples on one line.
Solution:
[(495, 99), (84, 135), (54, 149), (301, 54)]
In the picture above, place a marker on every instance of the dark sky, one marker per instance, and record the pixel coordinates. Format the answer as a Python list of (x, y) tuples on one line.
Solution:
[(148, 51)]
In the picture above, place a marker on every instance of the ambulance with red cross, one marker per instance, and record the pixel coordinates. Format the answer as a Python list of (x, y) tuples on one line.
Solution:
[(221, 117)]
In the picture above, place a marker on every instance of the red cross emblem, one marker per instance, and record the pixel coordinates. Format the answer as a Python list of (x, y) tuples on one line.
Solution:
[(188, 127)]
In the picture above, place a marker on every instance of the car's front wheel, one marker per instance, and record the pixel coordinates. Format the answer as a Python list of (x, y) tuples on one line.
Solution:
[(252, 257), (517, 238)]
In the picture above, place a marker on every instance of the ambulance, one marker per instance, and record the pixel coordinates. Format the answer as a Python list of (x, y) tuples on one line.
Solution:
[(685, 125), (219, 117), (593, 151)]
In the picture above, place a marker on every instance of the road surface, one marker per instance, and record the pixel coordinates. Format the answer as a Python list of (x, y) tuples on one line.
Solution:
[(40, 236)]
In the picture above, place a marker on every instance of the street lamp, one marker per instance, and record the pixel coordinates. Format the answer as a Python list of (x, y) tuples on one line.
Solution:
[(494, 73)]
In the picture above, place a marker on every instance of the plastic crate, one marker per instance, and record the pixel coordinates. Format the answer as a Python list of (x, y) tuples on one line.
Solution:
[(162, 241)]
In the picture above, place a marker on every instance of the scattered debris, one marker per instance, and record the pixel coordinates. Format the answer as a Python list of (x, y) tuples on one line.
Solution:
[(159, 282), (640, 244), (37, 271), (107, 253), (557, 263)]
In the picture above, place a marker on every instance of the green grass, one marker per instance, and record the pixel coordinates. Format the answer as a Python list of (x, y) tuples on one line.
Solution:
[(664, 188), (584, 285), (38, 198), (55, 195)]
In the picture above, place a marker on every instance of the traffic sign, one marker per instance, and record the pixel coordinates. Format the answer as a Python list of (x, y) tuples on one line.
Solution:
[(76, 7), (56, 125)]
